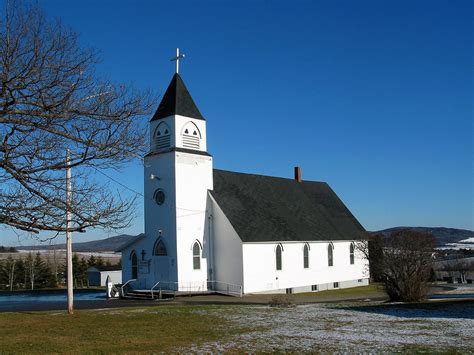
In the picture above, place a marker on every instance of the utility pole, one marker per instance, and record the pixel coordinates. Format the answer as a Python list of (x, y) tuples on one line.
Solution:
[(70, 300), (12, 274)]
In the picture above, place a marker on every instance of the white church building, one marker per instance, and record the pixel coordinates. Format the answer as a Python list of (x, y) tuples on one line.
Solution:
[(216, 230)]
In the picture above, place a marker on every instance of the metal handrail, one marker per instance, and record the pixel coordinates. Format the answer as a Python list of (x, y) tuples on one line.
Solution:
[(125, 284), (151, 290)]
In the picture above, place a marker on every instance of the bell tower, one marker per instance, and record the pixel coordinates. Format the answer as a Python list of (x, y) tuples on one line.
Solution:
[(178, 175)]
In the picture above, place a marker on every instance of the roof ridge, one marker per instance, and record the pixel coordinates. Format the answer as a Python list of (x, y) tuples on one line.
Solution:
[(269, 176)]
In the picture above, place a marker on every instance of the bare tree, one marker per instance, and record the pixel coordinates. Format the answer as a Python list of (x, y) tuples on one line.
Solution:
[(10, 271), (30, 270), (51, 99), (402, 261)]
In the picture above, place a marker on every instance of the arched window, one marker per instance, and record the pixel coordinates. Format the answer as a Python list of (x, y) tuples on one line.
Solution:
[(278, 257), (196, 256), (162, 136), (330, 254), (191, 136), (134, 259), (159, 249), (351, 253), (306, 256)]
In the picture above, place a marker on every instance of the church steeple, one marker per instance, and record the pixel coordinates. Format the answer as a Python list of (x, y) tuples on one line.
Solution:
[(177, 101)]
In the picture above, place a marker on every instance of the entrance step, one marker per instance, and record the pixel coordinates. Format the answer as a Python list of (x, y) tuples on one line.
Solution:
[(147, 295)]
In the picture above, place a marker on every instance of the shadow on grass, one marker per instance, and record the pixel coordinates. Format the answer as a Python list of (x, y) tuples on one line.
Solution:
[(446, 309)]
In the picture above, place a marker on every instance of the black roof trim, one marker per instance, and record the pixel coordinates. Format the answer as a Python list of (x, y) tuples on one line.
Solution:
[(132, 241), (180, 150), (177, 101)]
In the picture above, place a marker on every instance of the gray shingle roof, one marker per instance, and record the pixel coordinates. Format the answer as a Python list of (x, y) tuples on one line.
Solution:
[(267, 209), (132, 241), (177, 101)]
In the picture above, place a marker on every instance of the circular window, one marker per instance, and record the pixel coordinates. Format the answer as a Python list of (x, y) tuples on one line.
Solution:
[(159, 196)]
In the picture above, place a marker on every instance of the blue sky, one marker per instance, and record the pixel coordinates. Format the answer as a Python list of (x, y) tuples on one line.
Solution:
[(373, 97)]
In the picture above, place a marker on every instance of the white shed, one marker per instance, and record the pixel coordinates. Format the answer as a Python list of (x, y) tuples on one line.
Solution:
[(97, 275)]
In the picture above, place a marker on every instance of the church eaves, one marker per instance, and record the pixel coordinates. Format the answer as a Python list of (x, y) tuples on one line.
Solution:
[(177, 101)]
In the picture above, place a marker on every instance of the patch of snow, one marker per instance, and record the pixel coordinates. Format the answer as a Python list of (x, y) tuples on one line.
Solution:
[(329, 328)]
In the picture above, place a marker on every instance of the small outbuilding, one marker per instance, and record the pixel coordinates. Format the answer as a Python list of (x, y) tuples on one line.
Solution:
[(97, 275)]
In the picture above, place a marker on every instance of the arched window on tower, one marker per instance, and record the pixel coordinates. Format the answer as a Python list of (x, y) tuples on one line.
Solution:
[(134, 259), (160, 248), (351, 253), (162, 136), (330, 254), (191, 136), (306, 256), (278, 257), (196, 256)]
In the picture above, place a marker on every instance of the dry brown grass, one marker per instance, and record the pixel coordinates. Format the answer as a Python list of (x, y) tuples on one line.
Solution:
[(153, 329)]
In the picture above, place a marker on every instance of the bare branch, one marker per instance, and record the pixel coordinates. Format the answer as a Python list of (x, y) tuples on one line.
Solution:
[(51, 99)]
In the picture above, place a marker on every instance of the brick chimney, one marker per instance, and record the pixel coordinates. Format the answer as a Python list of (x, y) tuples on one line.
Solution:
[(298, 173)]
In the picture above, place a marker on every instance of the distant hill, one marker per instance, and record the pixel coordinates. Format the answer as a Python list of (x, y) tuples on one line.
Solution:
[(108, 244), (445, 237)]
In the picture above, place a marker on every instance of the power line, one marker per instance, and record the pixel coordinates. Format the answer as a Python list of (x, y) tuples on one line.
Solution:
[(118, 182)]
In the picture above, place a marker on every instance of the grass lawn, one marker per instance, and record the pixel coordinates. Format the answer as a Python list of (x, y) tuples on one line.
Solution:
[(349, 327), (352, 291), (162, 328)]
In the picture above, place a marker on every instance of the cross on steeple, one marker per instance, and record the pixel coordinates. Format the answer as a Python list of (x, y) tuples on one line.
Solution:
[(177, 58)]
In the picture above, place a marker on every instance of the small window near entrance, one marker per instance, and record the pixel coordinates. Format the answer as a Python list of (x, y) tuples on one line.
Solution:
[(314, 288), (196, 256), (336, 285), (134, 259), (289, 291)]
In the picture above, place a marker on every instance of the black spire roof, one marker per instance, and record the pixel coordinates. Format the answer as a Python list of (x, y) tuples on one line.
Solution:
[(177, 101)]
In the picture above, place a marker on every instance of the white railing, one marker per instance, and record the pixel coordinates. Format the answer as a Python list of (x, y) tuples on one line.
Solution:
[(189, 286), (197, 286), (226, 288), (125, 284)]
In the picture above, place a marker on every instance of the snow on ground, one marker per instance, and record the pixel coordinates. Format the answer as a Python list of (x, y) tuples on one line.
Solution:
[(462, 244), (346, 328)]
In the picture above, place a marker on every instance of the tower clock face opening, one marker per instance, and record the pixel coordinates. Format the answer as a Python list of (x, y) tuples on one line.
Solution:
[(159, 196)]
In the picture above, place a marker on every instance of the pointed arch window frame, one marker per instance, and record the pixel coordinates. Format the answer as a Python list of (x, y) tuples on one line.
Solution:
[(306, 249), (352, 253), (197, 254), (134, 264), (279, 257), (330, 254), (159, 248)]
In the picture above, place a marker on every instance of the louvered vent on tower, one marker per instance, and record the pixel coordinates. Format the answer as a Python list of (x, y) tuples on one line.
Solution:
[(191, 136), (162, 137)]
